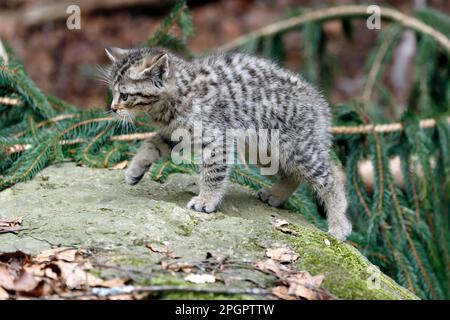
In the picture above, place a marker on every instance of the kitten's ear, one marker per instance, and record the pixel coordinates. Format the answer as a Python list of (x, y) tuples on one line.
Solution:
[(115, 54), (156, 68)]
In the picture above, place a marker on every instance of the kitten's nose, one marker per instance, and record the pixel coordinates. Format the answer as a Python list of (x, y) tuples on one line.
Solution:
[(113, 109)]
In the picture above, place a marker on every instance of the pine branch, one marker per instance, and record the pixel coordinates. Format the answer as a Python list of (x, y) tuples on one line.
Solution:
[(376, 66), (338, 130), (180, 16)]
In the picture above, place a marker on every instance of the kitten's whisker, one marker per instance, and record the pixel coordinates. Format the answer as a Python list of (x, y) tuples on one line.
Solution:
[(131, 119), (103, 74), (131, 122)]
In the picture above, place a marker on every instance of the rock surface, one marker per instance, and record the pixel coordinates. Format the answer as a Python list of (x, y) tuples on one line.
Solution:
[(66, 205)]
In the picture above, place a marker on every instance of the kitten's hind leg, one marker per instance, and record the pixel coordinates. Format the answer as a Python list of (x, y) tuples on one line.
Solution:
[(330, 190), (150, 151), (279, 193)]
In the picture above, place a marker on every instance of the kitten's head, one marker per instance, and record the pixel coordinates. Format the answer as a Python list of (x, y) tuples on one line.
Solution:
[(139, 79)]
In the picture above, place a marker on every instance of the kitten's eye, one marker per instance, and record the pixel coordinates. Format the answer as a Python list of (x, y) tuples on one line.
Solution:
[(124, 97)]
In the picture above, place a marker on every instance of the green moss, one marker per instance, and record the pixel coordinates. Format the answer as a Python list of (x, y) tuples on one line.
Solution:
[(131, 261), (204, 296), (185, 230), (346, 270), (96, 272)]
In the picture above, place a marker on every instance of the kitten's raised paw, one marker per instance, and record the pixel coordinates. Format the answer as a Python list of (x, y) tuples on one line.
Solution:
[(266, 196), (132, 178), (202, 205)]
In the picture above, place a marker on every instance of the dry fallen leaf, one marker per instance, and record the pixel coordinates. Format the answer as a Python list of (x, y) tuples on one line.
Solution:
[(162, 249), (75, 276), (12, 275), (280, 222), (291, 283), (283, 255), (282, 225), (185, 267), (272, 267), (57, 271), (282, 293), (200, 278), (65, 254), (301, 291), (10, 225), (304, 285), (120, 166)]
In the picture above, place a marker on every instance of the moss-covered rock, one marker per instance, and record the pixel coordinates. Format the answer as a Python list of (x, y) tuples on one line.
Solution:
[(66, 205)]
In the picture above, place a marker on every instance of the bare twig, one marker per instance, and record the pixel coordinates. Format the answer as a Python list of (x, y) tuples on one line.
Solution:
[(56, 10), (133, 136), (61, 117), (333, 13), (106, 292), (10, 101), (381, 128)]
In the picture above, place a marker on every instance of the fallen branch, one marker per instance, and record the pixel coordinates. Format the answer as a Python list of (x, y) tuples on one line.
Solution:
[(39, 13), (381, 128), (334, 13), (108, 292)]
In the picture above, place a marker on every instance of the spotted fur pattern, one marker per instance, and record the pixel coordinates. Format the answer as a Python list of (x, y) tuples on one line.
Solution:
[(230, 91)]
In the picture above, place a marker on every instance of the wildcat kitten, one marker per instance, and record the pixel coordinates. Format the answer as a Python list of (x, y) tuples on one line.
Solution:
[(230, 91)]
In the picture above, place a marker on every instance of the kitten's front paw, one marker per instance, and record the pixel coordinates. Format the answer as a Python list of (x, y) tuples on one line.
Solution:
[(132, 177), (266, 196), (202, 204), (340, 230)]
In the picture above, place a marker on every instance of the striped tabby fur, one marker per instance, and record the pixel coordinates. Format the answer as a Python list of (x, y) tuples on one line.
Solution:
[(230, 91)]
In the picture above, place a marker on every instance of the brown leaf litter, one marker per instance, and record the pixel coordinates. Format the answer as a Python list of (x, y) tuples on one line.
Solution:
[(283, 255), (11, 225), (283, 226), (291, 284), (57, 272)]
